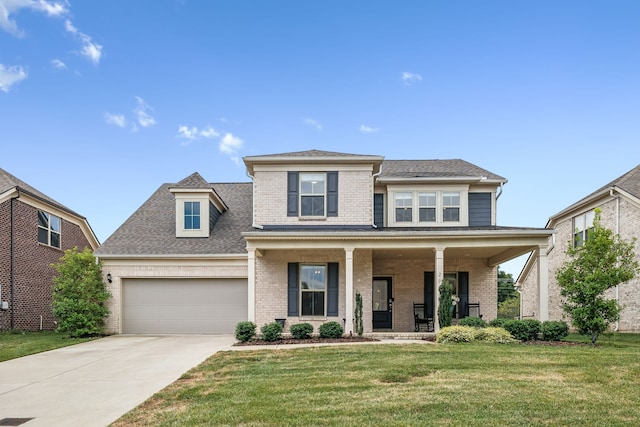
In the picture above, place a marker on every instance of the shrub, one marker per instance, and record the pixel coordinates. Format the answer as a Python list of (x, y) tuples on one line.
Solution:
[(494, 335), (473, 321), (553, 330), (330, 330), (499, 322), (301, 331), (245, 331), (271, 331), (456, 334), (509, 308), (523, 330)]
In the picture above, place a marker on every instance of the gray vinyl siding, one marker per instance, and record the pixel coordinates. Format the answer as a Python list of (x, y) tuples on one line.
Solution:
[(479, 209), (378, 210)]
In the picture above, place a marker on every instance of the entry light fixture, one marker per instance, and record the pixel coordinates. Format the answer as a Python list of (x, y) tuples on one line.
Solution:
[(109, 279)]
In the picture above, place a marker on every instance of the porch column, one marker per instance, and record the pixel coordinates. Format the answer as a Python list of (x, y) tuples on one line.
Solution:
[(543, 284), (439, 276), (251, 284), (348, 326)]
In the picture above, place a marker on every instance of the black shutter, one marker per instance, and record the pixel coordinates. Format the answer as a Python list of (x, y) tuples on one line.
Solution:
[(292, 290), (292, 194), (378, 210), (429, 293), (463, 293), (479, 209), (332, 193), (333, 284)]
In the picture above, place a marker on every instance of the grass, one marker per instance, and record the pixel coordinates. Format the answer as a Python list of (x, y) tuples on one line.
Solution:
[(406, 385), (16, 344)]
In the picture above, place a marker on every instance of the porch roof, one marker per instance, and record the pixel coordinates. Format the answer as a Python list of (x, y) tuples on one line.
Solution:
[(493, 244)]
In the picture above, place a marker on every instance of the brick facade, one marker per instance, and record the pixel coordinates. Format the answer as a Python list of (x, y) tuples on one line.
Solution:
[(626, 217), (30, 306)]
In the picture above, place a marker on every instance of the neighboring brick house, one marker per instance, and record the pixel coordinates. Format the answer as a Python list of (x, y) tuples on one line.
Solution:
[(35, 230), (619, 202), (313, 229)]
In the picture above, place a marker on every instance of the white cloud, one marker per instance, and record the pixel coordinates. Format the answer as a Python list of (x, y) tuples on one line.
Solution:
[(10, 76), (115, 119), (410, 78), (209, 133), (368, 129), (58, 65), (230, 144), (9, 7), (142, 113), (90, 49), (192, 133), (313, 123)]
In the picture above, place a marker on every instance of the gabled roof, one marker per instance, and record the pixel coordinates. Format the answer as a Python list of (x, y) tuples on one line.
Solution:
[(312, 157), (151, 230), (195, 180), (628, 183), (444, 169), (9, 182), (310, 153)]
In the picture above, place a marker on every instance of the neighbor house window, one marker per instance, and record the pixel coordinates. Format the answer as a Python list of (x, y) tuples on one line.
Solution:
[(451, 206), (48, 229), (313, 289), (312, 194), (582, 226), (192, 215), (427, 207), (404, 207)]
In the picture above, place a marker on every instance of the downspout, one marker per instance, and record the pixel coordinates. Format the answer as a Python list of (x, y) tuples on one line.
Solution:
[(373, 193), (615, 329), (500, 192), (253, 202), (11, 262)]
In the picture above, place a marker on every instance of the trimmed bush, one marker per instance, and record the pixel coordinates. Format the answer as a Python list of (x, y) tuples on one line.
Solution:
[(494, 335), (499, 322), (523, 330), (271, 331), (463, 334), (473, 321), (331, 330), (245, 331), (554, 330), (301, 331)]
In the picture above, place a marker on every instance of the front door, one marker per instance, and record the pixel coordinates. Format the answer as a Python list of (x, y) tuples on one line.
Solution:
[(382, 303)]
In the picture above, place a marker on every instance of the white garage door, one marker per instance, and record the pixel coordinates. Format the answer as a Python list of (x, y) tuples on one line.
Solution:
[(183, 306)]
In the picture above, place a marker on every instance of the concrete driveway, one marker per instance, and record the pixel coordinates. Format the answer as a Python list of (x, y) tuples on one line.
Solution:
[(95, 383)]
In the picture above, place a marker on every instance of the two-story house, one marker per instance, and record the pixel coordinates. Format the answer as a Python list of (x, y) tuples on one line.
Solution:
[(619, 203), (311, 230), (35, 230)]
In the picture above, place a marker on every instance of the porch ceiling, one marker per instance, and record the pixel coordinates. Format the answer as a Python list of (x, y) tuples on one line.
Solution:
[(491, 255)]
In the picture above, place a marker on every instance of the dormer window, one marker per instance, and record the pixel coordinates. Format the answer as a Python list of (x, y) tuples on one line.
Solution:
[(192, 215)]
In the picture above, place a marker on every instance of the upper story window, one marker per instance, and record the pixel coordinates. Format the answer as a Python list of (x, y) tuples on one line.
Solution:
[(312, 194), (49, 229), (582, 225), (404, 207), (451, 206), (427, 203), (313, 289), (192, 215)]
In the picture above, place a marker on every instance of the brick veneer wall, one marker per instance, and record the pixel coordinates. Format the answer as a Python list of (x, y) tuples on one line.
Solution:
[(628, 293), (33, 274)]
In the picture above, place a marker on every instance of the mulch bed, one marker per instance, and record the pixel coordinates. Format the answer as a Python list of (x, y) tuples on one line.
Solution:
[(312, 340)]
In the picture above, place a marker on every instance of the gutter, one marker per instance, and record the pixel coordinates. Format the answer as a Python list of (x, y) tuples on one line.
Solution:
[(373, 191)]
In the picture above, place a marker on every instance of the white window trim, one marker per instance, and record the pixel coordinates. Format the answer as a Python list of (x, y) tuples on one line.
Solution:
[(203, 198), (50, 230), (439, 222), (301, 194), (587, 218), (326, 289)]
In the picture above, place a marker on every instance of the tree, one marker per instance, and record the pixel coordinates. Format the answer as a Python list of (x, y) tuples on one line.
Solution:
[(80, 294), (602, 262), (445, 307), (506, 288)]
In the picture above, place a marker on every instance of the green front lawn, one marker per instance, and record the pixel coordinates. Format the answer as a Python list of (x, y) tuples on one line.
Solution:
[(407, 385), (15, 344)]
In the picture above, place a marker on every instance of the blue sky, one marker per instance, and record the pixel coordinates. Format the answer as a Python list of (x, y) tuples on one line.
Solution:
[(102, 101)]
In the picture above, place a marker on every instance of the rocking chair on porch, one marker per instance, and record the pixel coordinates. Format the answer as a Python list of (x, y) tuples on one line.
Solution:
[(421, 318)]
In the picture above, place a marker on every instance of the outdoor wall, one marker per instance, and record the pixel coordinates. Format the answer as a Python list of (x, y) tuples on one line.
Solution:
[(33, 274), (408, 285), (355, 199), (174, 269), (271, 285)]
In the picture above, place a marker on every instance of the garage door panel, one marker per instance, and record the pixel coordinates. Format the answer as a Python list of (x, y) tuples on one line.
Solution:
[(168, 306)]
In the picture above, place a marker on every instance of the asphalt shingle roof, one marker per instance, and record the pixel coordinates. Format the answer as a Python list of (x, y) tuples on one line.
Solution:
[(151, 230), (434, 169)]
